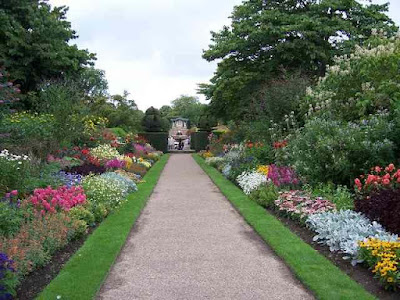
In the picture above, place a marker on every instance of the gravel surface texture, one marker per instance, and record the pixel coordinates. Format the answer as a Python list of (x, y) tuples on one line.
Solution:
[(190, 243)]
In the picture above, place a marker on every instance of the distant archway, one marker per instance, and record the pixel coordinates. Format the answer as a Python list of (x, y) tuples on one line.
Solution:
[(178, 134)]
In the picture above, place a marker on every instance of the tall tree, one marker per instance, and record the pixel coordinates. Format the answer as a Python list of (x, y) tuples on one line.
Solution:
[(268, 38), (187, 107), (34, 43)]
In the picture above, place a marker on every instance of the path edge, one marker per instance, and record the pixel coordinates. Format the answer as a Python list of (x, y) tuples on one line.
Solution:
[(85, 272), (318, 274)]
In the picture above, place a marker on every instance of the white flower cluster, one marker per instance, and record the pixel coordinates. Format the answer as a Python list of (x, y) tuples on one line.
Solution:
[(107, 191), (105, 152), (12, 157), (250, 181)]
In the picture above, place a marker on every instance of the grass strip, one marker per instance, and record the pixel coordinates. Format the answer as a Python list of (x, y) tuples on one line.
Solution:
[(316, 272), (83, 275)]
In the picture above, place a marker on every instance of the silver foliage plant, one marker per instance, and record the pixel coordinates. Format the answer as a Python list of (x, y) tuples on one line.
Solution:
[(342, 231)]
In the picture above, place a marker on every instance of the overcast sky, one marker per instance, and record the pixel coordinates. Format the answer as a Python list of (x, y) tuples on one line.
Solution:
[(153, 48)]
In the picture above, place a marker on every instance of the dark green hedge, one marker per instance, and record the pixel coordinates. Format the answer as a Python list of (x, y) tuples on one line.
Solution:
[(158, 140), (199, 140)]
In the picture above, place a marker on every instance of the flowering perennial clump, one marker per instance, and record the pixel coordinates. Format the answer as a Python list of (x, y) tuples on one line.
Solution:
[(300, 204), (106, 191), (207, 154), (115, 164), (69, 179), (250, 181), (263, 170), (383, 258), (53, 200), (7, 277), (282, 176), (378, 196), (5, 154), (129, 184), (379, 177), (105, 152), (144, 162), (132, 176)]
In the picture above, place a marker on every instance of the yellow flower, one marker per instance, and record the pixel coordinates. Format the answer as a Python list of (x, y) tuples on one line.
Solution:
[(263, 170)]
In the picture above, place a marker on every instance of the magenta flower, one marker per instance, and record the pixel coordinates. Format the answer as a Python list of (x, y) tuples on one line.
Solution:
[(115, 164), (63, 198)]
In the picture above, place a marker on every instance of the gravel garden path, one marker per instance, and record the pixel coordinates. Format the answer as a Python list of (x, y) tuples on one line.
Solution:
[(190, 243)]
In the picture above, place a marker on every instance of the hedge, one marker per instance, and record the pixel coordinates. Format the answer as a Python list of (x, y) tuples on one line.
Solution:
[(199, 140), (159, 140)]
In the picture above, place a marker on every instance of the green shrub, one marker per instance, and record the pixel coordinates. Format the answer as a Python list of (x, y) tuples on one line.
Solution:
[(80, 229), (199, 140), (83, 214), (63, 100), (262, 153), (159, 140), (152, 121), (14, 171), (11, 219), (42, 176), (26, 132), (335, 151), (99, 212), (265, 195), (359, 84), (339, 195)]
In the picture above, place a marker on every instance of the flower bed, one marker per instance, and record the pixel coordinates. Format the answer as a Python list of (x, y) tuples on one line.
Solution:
[(34, 225), (344, 231)]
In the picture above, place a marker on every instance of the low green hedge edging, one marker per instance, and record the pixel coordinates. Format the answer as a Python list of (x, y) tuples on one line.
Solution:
[(83, 275), (316, 272)]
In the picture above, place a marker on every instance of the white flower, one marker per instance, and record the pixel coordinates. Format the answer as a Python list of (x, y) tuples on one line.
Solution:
[(250, 181)]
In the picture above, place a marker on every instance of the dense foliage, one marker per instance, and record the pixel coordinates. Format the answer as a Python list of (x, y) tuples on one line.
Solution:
[(268, 38), (34, 39)]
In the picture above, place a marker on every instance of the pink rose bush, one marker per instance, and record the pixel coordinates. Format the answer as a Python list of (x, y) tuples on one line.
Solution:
[(50, 200)]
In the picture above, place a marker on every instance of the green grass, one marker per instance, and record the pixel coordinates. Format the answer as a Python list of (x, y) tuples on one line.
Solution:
[(316, 272), (83, 275)]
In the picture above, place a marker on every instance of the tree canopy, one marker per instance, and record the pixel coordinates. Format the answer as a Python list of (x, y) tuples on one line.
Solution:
[(186, 107), (34, 43), (269, 38)]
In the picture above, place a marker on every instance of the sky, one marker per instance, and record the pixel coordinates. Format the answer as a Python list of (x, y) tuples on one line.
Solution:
[(153, 48)]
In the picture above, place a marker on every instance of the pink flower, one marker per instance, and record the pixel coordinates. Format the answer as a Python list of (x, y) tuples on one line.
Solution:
[(14, 192)]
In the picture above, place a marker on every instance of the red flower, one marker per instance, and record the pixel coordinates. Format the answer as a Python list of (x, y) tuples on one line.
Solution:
[(85, 151), (358, 183), (378, 169), (389, 168)]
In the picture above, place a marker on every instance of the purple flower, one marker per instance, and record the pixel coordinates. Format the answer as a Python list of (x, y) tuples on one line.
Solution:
[(282, 175), (115, 164), (5, 268)]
